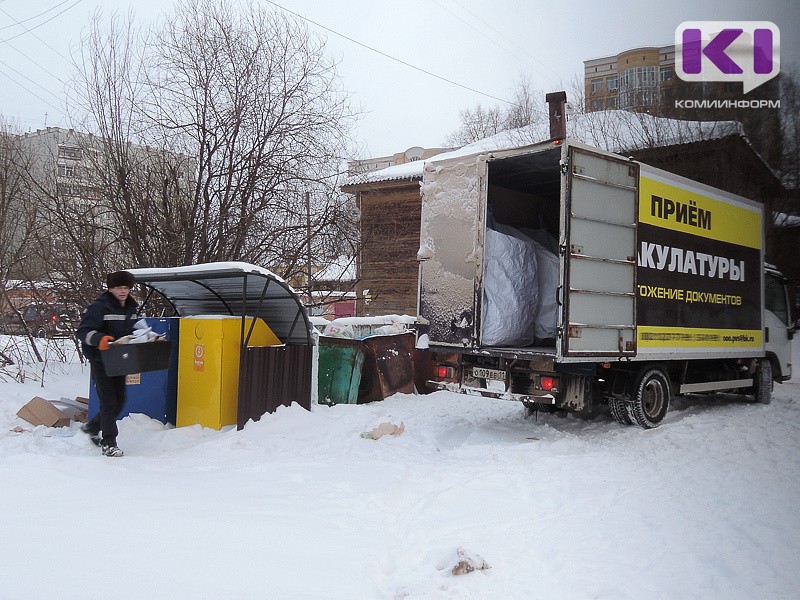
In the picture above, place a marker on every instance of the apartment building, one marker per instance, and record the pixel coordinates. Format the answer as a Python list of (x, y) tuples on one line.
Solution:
[(632, 80), (644, 80)]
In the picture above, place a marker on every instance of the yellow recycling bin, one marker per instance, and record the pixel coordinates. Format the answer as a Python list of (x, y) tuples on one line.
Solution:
[(208, 368)]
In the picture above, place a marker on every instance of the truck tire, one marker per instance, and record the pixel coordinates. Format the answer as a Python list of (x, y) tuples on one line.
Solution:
[(650, 398), (762, 390), (619, 411)]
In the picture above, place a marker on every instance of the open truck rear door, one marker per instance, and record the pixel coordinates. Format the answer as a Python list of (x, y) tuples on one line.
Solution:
[(599, 210), (451, 229)]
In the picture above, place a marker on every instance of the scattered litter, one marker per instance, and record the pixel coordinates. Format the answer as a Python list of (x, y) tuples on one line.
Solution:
[(340, 331), (469, 562), (384, 429), (391, 329), (74, 409), (42, 412)]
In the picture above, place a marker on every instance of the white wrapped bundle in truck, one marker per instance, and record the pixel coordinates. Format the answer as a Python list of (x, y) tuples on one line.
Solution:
[(567, 277)]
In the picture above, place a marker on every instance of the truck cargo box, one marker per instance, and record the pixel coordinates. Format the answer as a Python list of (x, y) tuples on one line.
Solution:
[(641, 264)]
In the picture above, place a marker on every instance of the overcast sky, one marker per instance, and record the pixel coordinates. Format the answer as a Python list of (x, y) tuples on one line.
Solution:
[(481, 47)]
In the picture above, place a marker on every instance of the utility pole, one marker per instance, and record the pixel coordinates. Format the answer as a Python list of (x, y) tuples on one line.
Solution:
[(308, 247)]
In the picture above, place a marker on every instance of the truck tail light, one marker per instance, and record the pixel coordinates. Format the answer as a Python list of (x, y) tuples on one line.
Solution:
[(548, 383), (444, 372)]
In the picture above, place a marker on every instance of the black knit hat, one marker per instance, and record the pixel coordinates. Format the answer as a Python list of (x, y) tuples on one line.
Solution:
[(119, 278)]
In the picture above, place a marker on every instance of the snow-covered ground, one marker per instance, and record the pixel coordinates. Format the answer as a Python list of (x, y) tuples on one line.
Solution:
[(301, 506)]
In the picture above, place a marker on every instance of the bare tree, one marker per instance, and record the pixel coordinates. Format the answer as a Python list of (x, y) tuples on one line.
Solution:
[(526, 105), (210, 132), (790, 127), (18, 213), (476, 124), (523, 114), (252, 96)]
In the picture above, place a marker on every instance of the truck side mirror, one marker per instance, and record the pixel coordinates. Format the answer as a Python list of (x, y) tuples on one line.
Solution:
[(790, 331)]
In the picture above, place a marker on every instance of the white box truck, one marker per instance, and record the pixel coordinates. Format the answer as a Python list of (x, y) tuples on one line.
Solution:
[(567, 277)]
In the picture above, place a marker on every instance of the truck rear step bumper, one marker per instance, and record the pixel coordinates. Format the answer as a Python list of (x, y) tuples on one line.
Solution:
[(473, 391)]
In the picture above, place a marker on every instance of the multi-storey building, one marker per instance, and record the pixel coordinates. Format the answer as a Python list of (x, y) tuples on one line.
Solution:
[(644, 80), (415, 153), (631, 80), (72, 181)]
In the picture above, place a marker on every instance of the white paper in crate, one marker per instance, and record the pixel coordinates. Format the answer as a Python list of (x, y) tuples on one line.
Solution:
[(142, 333)]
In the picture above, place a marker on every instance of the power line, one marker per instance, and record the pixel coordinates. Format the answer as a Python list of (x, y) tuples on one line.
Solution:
[(33, 17), (499, 33), (7, 66), (13, 37), (31, 92), (30, 31), (18, 51), (38, 38), (389, 56)]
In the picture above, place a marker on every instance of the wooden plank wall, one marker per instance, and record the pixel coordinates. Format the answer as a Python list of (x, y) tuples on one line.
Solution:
[(390, 239)]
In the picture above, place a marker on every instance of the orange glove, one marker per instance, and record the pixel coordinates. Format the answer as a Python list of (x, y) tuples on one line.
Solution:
[(103, 345)]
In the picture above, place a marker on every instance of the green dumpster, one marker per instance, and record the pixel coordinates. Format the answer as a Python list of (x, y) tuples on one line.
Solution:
[(340, 363)]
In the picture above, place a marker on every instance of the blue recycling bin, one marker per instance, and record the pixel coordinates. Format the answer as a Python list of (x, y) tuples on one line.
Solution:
[(154, 393)]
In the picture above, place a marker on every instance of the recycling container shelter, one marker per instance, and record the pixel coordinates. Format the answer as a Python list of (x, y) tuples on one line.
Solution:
[(340, 364), (208, 367), (153, 393)]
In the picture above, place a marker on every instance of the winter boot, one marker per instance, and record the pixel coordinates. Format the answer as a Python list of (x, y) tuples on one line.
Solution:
[(93, 435), (109, 450)]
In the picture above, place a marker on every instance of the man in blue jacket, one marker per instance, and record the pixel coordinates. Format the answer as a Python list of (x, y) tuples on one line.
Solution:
[(110, 317)]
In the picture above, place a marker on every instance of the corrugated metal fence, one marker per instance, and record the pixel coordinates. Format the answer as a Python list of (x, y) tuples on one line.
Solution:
[(273, 376)]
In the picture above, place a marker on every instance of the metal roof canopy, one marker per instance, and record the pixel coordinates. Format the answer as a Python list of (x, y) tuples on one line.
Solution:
[(231, 288)]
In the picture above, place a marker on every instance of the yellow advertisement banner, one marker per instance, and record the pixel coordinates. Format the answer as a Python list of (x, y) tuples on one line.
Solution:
[(688, 337), (687, 211)]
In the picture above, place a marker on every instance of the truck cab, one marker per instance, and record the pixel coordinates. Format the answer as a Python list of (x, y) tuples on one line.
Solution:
[(779, 323)]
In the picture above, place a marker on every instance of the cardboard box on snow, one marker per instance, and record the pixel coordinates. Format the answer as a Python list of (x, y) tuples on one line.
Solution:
[(41, 412)]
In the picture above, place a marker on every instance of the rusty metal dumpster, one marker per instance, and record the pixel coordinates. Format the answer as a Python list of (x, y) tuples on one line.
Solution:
[(340, 365), (388, 366)]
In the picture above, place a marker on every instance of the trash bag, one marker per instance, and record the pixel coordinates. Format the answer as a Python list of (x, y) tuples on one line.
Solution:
[(510, 289), (547, 283)]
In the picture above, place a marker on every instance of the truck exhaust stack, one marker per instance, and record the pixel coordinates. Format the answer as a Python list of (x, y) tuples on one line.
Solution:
[(557, 104)]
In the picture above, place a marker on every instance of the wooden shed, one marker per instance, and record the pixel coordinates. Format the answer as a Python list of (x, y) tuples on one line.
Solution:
[(387, 263)]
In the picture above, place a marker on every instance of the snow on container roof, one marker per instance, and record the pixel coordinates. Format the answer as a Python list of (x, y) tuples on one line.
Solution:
[(611, 130), (232, 288)]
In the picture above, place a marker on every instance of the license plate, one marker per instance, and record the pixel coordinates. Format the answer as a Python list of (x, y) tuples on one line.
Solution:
[(482, 373)]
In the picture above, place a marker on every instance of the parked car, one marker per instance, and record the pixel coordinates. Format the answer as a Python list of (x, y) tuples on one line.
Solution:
[(41, 320)]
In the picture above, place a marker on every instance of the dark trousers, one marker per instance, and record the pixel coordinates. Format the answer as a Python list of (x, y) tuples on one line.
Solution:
[(111, 392)]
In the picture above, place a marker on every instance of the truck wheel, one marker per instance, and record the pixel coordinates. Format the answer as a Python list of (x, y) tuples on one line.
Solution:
[(650, 400), (619, 411), (763, 382)]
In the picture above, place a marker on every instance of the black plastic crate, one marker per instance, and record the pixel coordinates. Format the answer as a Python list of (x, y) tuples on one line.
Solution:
[(136, 358)]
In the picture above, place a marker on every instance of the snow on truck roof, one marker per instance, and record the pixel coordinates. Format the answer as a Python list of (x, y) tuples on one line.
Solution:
[(610, 130)]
